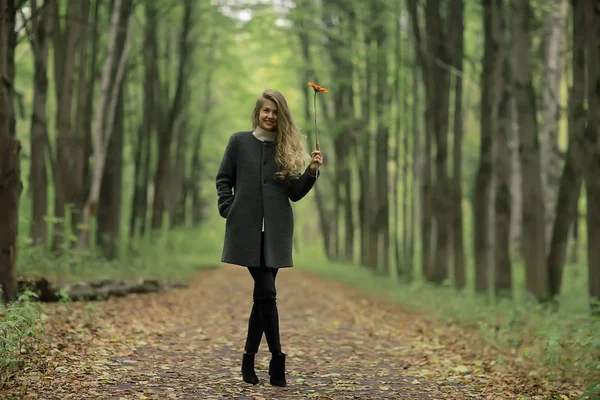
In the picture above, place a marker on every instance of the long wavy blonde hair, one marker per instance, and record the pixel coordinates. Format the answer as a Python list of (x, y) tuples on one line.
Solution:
[(290, 154)]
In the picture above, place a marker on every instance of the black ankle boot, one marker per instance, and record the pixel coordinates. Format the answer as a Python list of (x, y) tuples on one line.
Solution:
[(248, 369), (277, 370)]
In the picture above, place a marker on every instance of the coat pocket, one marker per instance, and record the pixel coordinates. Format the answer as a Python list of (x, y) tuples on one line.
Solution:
[(230, 209)]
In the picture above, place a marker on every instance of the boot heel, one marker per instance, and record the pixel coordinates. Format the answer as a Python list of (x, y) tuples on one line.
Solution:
[(277, 370), (248, 373)]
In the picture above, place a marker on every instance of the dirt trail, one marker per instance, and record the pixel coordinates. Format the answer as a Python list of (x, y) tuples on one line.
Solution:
[(187, 344)]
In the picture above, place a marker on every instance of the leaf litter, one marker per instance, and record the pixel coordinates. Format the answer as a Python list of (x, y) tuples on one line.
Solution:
[(341, 344)]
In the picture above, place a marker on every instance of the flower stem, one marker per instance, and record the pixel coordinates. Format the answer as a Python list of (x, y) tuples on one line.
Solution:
[(316, 130)]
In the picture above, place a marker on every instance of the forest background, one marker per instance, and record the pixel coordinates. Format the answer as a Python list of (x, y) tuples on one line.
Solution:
[(461, 144)]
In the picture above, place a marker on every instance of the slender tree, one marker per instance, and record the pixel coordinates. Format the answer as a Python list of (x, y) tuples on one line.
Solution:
[(457, 28), (111, 188), (383, 102), (502, 201), (143, 148), (106, 111), (41, 26), (170, 112), (67, 44), (304, 25), (592, 146), (550, 153), (482, 196), (10, 148), (533, 208), (424, 61), (571, 179)]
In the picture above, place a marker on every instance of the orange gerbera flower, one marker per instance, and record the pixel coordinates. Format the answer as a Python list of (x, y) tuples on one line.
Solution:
[(317, 88)]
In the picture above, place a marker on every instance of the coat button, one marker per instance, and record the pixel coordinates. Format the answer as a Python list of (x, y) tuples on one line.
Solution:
[(265, 162), (265, 181)]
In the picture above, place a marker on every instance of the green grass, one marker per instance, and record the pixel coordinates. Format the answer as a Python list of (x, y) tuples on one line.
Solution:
[(566, 342), (169, 256)]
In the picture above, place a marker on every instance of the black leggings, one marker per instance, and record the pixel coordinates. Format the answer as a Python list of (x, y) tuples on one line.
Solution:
[(264, 316)]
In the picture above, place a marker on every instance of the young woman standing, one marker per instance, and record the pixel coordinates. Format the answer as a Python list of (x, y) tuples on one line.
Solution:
[(261, 171)]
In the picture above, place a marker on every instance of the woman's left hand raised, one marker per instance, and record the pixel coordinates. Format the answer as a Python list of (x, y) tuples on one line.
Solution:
[(316, 160)]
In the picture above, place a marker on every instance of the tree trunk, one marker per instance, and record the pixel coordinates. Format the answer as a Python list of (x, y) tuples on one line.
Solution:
[(417, 159), (382, 101), (365, 161), (88, 110), (111, 190), (346, 183), (550, 153), (401, 241), (349, 144), (138, 200), (10, 148), (572, 175), (348, 208), (196, 171), (104, 119), (178, 190), (592, 146), (78, 152), (363, 149), (302, 30), (66, 45), (533, 209), (337, 197), (424, 61), (482, 196), (142, 156), (516, 178), (574, 258), (38, 175), (456, 15), (168, 129), (407, 183), (442, 204), (364, 172), (502, 261)]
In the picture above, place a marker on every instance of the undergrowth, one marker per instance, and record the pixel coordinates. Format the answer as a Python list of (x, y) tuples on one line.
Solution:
[(565, 343), (20, 331), (169, 256)]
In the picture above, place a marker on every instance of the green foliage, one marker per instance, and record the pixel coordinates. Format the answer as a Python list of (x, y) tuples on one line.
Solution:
[(20, 331), (169, 256), (593, 390), (250, 57)]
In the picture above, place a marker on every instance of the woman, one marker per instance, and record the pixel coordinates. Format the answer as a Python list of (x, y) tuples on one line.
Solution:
[(260, 172)]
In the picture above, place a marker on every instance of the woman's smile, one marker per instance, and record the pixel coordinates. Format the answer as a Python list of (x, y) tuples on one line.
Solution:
[(268, 115)]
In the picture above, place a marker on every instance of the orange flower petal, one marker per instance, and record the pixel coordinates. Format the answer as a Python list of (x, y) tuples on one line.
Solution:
[(317, 88)]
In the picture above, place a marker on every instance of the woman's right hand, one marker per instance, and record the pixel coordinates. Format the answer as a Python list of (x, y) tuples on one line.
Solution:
[(316, 160)]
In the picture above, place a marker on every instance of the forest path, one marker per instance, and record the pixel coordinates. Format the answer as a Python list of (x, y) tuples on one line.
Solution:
[(187, 344)]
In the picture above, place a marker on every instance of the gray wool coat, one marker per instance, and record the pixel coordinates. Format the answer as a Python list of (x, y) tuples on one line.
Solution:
[(248, 191)]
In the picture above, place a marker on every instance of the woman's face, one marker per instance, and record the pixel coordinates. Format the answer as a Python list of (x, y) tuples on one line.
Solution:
[(267, 118)]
